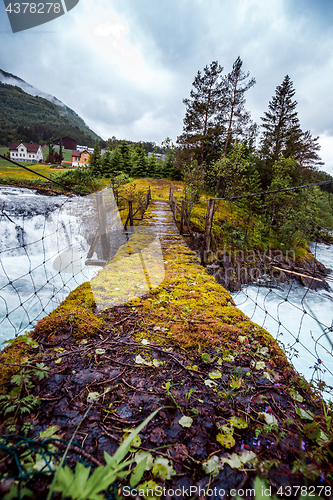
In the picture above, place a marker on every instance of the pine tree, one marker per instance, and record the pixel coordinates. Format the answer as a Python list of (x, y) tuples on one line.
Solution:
[(168, 171), (233, 110), (95, 160), (151, 166), (201, 128), (116, 162), (254, 186), (106, 163), (127, 157), (139, 168), (159, 169), (282, 133)]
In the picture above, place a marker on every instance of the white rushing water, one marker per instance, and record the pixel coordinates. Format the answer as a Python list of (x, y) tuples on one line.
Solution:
[(300, 318), (43, 247)]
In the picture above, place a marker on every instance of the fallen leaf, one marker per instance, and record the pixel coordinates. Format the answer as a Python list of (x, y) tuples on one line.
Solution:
[(157, 362), (139, 360), (296, 396), (163, 469), (212, 466), (100, 351), (226, 440), (210, 383), (141, 455), (50, 431), (242, 339), (304, 414), (238, 422), (193, 367), (215, 374), (236, 383), (269, 418), (237, 461), (92, 396), (185, 421)]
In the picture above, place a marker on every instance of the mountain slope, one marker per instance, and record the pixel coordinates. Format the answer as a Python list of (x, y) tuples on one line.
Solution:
[(32, 115), (11, 79)]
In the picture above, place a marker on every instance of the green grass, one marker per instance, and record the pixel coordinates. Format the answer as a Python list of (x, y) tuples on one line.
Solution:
[(10, 172)]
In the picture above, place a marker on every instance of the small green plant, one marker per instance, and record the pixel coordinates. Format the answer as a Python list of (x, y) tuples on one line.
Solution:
[(82, 485), (19, 401), (170, 394), (188, 396), (22, 338)]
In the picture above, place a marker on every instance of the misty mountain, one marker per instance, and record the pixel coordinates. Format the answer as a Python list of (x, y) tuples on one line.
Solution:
[(32, 115)]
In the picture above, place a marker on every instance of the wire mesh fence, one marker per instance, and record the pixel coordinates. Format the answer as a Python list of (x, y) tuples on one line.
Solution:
[(49, 246), (294, 303), (30, 460)]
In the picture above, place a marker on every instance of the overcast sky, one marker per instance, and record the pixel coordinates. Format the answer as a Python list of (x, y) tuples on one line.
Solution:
[(125, 65)]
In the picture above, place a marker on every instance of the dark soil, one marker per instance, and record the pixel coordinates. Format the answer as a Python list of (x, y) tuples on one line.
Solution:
[(135, 391)]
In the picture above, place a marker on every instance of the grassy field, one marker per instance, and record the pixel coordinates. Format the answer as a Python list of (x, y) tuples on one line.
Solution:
[(10, 172)]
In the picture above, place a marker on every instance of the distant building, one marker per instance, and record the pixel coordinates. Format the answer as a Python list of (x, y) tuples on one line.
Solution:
[(84, 148), (67, 143), (158, 156), (80, 158), (22, 151)]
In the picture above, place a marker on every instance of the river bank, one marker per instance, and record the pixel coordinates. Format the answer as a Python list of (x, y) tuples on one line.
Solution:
[(183, 345)]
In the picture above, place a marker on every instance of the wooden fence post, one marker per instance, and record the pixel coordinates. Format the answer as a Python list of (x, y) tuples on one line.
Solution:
[(182, 216), (208, 231), (149, 196), (175, 207), (130, 211), (103, 226)]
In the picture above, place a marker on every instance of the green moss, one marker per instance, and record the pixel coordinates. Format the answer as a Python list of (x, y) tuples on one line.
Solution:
[(75, 313)]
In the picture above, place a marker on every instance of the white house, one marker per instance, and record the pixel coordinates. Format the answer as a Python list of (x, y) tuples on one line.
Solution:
[(158, 156), (84, 148), (22, 151)]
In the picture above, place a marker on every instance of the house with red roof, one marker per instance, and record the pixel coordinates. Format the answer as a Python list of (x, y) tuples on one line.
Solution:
[(22, 151), (80, 158)]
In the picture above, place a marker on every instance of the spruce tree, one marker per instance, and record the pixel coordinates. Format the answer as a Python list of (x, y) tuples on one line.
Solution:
[(139, 168), (95, 160), (116, 161), (306, 151), (168, 171), (106, 164), (127, 157), (282, 133), (151, 166), (159, 169), (254, 186)]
